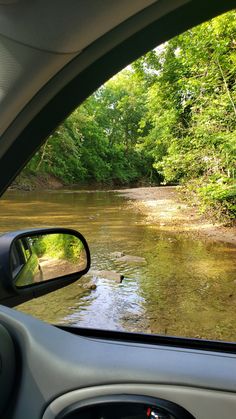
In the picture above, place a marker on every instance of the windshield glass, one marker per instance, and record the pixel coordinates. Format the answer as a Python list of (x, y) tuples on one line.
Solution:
[(145, 170)]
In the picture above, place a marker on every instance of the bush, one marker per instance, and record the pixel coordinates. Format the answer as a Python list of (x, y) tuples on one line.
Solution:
[(215, 197)]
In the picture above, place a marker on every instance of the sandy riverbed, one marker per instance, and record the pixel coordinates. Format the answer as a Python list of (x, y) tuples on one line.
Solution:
[(163, 207)]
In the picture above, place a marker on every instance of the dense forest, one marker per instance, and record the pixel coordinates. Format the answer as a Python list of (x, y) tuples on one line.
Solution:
[(169, 118)]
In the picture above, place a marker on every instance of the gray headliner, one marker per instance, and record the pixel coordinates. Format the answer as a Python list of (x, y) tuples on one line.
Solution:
[(24, 70), (76, 23)]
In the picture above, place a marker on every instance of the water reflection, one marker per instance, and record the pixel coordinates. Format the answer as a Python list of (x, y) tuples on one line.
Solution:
[(186, 287)]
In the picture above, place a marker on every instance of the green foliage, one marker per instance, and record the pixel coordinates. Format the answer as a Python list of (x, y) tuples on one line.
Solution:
[(171, 117), (58, 246), (192, 112), (218, 199), (100, 141)]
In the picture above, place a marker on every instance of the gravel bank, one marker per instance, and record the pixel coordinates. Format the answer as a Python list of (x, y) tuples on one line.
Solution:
[(162, 206)]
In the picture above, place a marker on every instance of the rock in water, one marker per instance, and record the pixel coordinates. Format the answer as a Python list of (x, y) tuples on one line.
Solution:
[(115, 276), (92, 286), (117, 254), (132, 259)]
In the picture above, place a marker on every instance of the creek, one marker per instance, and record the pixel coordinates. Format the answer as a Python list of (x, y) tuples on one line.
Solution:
[(185, 287)]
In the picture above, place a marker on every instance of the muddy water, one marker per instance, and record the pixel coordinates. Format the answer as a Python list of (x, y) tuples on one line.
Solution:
[(184, 287)]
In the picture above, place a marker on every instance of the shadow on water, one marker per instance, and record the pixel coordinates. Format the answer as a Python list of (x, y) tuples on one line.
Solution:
[(187, 287)]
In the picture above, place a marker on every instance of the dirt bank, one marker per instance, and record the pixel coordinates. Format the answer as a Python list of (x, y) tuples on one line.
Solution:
[(163, 207), (31, 182)]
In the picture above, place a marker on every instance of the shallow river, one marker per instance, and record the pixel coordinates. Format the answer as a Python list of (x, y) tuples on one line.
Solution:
[(185, 286)]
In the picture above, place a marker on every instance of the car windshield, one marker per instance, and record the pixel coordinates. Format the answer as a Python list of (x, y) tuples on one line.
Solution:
[(145, 170)]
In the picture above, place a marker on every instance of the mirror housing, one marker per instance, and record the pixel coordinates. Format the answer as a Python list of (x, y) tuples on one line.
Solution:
[(36, 262)]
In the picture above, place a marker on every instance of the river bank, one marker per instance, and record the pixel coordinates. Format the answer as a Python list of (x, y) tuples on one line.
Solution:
[(31, 182), (163, 264), (163, 206)]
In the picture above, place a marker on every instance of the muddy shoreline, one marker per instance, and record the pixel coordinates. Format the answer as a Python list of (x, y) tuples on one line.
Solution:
[(163, 206)]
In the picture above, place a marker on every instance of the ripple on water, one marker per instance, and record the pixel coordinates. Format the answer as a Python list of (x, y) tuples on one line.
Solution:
[(186, 287)]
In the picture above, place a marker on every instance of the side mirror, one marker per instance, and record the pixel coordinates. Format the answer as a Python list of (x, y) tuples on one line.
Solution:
[(36, 262)]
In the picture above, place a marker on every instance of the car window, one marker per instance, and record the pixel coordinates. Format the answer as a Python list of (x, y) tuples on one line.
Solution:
[(145, 169)]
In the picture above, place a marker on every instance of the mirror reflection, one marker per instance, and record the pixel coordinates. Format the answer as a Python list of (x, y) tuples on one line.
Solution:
[(46, 256)]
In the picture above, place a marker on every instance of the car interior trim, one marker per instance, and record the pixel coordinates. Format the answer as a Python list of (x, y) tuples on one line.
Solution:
[(198, 401), (71, 30), (172, 410), (7, 367), (41, 81), (173, 341)]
